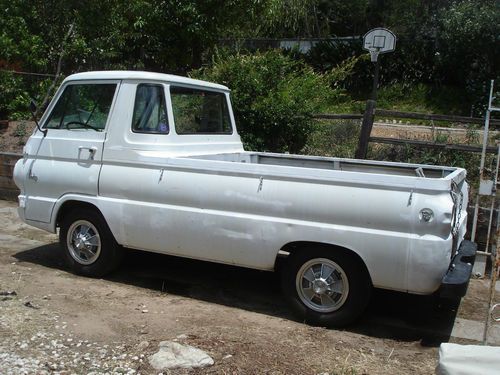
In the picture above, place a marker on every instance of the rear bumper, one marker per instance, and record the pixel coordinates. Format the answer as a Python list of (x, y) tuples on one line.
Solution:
[(456, 279)]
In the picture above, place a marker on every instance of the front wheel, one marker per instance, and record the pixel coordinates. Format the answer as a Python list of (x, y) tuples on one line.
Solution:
[(325, 286), (89, 246)]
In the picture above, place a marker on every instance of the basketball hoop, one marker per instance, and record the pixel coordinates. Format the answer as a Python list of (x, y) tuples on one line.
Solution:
[(379, 41)]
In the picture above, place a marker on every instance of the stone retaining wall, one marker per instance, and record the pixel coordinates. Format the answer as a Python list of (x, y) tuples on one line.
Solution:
[(8, 190)]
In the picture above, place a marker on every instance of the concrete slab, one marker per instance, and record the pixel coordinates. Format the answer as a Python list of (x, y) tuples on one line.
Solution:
[(479, 267), (474, 330)]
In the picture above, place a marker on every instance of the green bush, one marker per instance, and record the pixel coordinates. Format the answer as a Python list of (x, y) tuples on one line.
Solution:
[(17, 92), (12, 100), (274, 98), (337, 138), (20, 130), (408, 154)]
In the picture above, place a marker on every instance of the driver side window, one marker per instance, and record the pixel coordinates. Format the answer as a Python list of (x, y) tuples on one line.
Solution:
[(82, 106)]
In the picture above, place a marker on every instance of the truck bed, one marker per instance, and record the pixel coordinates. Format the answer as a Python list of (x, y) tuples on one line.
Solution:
[(330, 163)]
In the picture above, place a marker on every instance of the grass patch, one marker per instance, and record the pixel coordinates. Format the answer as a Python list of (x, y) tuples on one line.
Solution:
[(420, 98), (423, 98)]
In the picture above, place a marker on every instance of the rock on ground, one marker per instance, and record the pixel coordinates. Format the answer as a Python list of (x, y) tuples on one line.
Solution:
[(174, 355)]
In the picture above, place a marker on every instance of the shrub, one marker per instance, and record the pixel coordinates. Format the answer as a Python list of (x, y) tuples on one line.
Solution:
[(274, 98), (337, 138), (20, 130), (408, 154)]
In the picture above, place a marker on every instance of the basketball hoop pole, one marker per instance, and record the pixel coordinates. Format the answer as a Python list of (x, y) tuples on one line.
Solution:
[(375, 41), (368, 117), (375, 78)]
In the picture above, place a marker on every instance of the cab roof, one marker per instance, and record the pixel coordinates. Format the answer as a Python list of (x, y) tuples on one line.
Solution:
[(143, 76)]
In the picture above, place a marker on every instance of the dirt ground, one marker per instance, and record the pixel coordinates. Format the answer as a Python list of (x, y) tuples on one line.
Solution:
[(63, 324)]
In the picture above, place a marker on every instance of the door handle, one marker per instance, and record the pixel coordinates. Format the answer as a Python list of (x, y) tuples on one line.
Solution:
[(92, 150)]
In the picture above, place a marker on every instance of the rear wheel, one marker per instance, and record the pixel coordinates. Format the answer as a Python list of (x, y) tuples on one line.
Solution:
[(325, 286), (89, 246)]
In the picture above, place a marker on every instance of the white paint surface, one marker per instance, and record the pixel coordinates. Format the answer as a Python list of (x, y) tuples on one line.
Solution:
[(455, 359)]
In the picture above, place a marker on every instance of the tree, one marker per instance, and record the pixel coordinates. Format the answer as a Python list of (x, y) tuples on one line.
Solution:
[(20, 50), (469, 47)]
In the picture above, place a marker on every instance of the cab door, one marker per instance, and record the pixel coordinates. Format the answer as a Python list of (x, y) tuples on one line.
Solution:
[(68, 159)]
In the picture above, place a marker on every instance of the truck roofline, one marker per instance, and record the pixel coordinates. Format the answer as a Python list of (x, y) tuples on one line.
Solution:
[(141, 75)]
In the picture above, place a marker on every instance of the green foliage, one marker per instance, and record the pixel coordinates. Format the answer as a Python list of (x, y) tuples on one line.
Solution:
[(440, 43), (450, 43), (290, 17), (470, 47), (20, 130), (19, 50), (409, 154), (309, 18), (274, 98), (344, 370), (423, 98), (333, 138), (17, 92), (171, 36)]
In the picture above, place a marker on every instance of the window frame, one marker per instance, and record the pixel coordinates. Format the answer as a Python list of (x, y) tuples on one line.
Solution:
[(203, 89), (161, 86), (47, 114)]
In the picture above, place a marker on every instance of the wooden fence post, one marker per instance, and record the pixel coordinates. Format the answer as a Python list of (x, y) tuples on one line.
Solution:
[(366, 129)]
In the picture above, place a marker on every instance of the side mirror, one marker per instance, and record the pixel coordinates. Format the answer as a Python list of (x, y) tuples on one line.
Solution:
[(33, 110)]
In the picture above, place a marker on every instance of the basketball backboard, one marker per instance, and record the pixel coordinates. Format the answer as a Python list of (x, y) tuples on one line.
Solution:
[(379, 40)]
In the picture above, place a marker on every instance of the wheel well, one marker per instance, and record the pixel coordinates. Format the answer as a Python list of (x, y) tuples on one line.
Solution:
[(300, 246), (72, 205)]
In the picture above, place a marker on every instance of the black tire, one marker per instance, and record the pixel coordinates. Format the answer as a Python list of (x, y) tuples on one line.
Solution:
[(339, 309), (81, 253)]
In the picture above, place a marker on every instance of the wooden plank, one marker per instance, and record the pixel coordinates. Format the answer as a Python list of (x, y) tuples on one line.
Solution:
[(435, 117), (426, 144), (339, 116), (408, 115)]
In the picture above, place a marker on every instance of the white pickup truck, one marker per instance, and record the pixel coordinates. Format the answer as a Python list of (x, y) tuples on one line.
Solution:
[(153, 162)]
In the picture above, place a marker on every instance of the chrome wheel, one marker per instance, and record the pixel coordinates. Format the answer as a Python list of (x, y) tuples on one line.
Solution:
[(322, 285), (83, 242)]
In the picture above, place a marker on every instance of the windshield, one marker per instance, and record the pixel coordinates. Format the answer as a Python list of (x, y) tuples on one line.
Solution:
[(82, 106)]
